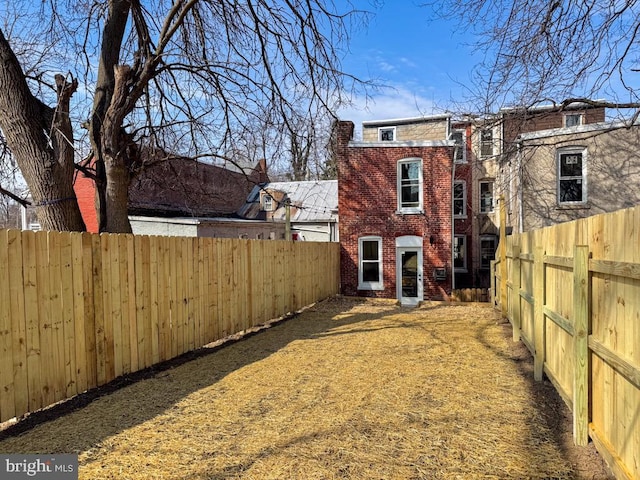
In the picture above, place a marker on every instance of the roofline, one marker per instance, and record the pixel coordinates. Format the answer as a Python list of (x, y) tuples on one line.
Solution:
[(404, 143), (196, 220), (541, 108), (400, 121), (587, 128)]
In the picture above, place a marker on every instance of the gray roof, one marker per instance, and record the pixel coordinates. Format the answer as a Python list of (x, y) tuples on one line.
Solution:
[(311, 201)]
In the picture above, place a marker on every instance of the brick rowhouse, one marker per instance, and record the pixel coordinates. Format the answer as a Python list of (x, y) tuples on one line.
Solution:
[(368, 206)]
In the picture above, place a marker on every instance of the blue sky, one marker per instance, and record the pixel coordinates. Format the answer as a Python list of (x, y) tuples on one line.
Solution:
[(424, 62)]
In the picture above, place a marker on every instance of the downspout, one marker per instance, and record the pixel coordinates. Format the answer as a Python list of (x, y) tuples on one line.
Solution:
[(453, 221), (520, 195)]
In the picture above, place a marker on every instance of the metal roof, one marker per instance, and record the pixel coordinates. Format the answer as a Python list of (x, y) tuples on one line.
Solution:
[(311, 201)]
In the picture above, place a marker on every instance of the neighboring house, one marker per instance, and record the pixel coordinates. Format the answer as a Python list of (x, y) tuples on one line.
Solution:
[(514, 122), (395, 214), (313, 208), (494, 154), (176, 194), (568, 173)]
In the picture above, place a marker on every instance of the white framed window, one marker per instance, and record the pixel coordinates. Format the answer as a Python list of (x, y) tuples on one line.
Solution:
[(573, 119), (460, 199), (486, 196), (267, 203), (386, 134), (370, 263), (488, 244), (460, 138), (572, 175), (460, 253), (486, 142), (410, 191)]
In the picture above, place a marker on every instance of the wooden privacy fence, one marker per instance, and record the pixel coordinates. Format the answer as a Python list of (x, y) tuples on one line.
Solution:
[(572, 295), (78, 310)]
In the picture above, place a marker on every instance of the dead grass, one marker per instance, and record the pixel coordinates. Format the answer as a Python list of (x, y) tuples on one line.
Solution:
[(349, 389)]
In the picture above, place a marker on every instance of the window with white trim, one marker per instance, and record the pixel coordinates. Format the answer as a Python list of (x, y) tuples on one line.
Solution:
[(486, 142), (572, 175), (370, 263), (460, 199), (267, 203), (486, 196), (573, 119), (410, 185), (386, 134), (460, 253), (460, 138)]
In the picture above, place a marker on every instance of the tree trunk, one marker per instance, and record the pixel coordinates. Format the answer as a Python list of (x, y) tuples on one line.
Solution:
[(107, 137), (41, 142)]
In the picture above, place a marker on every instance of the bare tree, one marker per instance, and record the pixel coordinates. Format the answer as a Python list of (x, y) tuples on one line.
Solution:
[(536, 50), (181, 75)]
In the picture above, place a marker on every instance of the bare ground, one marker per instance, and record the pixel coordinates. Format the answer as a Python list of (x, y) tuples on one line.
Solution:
[(348, 389)]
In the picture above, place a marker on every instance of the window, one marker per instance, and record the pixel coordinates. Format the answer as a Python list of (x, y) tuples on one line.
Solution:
[(267, 203), (386, 134), (573, 119), (459, 136), (486, 142), (370, 263), (460, 253), (572, 185), (460, 199), (410, 186), (486, 197), (487, 250)]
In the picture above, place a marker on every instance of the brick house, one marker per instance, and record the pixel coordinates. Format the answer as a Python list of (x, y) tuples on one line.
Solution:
[(440, 128), (394, 201)]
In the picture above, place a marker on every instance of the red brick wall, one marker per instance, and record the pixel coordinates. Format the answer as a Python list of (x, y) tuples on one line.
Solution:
[(85, 192), (367, 202)]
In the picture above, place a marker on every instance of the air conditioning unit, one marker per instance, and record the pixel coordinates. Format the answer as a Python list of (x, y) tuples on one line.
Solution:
[(440, 274)]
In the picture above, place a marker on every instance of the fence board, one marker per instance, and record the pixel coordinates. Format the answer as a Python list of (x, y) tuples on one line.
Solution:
[(7, 403), (77, 269), (153, 300), (68, 318)]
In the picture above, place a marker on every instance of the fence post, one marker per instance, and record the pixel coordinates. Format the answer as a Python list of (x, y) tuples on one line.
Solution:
[(538, 314), (581, 327), (515, 301), (492, 269), (503, 256)]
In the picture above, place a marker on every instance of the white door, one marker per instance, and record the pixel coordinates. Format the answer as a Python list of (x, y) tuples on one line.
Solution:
[(409, 270)]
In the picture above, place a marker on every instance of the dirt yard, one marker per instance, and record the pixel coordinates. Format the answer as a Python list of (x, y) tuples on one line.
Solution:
[(349, 389)]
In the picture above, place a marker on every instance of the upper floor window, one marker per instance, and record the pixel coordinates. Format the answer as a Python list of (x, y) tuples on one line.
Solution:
[(459, 137), (267, 203), (460, 199), (410, 185), (573, 119), (386, 134), (572, 175), (486, 142), (370, 263), (486, 196)]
